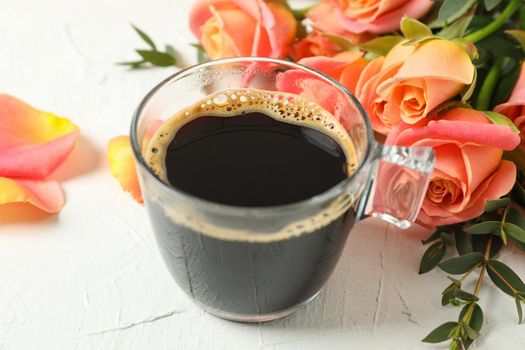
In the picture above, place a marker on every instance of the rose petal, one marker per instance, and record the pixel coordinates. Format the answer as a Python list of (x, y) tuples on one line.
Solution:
[(455, 125), (122, 166), (324, 18), (386, 22), (332, 66), (45, 195), (32, 143)]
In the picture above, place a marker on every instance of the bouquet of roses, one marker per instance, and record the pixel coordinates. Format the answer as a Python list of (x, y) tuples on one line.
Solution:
[(442, 74)]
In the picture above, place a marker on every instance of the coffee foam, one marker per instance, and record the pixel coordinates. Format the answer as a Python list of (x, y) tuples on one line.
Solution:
[(284, 107)]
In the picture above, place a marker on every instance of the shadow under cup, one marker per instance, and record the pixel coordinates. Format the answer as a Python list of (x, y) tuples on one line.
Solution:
[(251, 263)]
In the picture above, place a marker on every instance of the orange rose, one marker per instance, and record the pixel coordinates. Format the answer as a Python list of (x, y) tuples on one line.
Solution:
[(411, 81), (346, 17), (232, 28), (469, 170)]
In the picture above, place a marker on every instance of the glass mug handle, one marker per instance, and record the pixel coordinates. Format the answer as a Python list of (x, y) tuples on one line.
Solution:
[(398, 184)]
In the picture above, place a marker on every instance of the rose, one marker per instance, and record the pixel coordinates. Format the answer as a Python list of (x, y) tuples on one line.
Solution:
[(469, 168), (514, 108), (230, 28), (376, 16), (314, 44), (411, 81)]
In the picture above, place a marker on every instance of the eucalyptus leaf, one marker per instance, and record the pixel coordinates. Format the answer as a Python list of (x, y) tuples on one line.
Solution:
[(449, 294), (441, 333), (463, 244), (518, 307), (471, 334), (476, 320), (432, 256), (496, 204), (517, 232), (484, 228), (461, 294), (491, 4), (479, 243), (498, 270), (453, 9), (412, 28), (461, 264), (447, 238), (144, 37), (157, 58), (500, 119)]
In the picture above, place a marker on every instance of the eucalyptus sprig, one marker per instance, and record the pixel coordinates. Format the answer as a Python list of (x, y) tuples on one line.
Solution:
[(151, 56), (477, 242)]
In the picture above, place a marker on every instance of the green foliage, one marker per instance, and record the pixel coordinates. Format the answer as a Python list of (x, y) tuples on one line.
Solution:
[(151, 56)]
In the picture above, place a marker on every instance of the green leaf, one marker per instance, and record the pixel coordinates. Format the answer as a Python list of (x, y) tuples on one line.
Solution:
[(461, 264), (381, 45), (170, 50), (456, 29), (491, 4), (476, 321), (501, 45), (447, 238), (453, 9), (518, 307), (145, 37), (157, 58), (515, 231), (500, 119), (496, 267), (496, 204), (435, 235), (517, 244), (449, 294), (441, 333), (132, 64), (471, 334), (515, 217), (432, 256), (461, 294), (341, 41), (412, 28), (201, 53), (484, 228), (519, 35), (479, 243), (463, 244)]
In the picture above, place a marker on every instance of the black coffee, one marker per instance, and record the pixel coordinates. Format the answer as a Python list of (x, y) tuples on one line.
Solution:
[(266, 153)]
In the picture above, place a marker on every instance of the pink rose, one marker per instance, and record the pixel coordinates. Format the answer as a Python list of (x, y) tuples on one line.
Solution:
[(514, 108), (469, 168), (232, 28), (345, 17), (411, 81)]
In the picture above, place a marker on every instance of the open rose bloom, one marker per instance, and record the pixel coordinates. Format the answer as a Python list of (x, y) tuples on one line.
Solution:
[(469, 169)]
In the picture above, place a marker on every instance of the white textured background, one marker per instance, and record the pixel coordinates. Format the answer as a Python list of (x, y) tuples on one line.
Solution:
[(91, 278)]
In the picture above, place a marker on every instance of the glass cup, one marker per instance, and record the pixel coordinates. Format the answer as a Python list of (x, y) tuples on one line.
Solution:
[(257, 264)]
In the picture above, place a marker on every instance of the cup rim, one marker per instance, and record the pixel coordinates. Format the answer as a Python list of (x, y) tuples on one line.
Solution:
[(320, 198)]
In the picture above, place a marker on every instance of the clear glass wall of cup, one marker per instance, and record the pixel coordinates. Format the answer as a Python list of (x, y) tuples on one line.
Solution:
[(257, 264)]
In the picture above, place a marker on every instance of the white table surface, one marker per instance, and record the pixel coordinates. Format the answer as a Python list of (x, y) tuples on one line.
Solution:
[(91, 277)]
